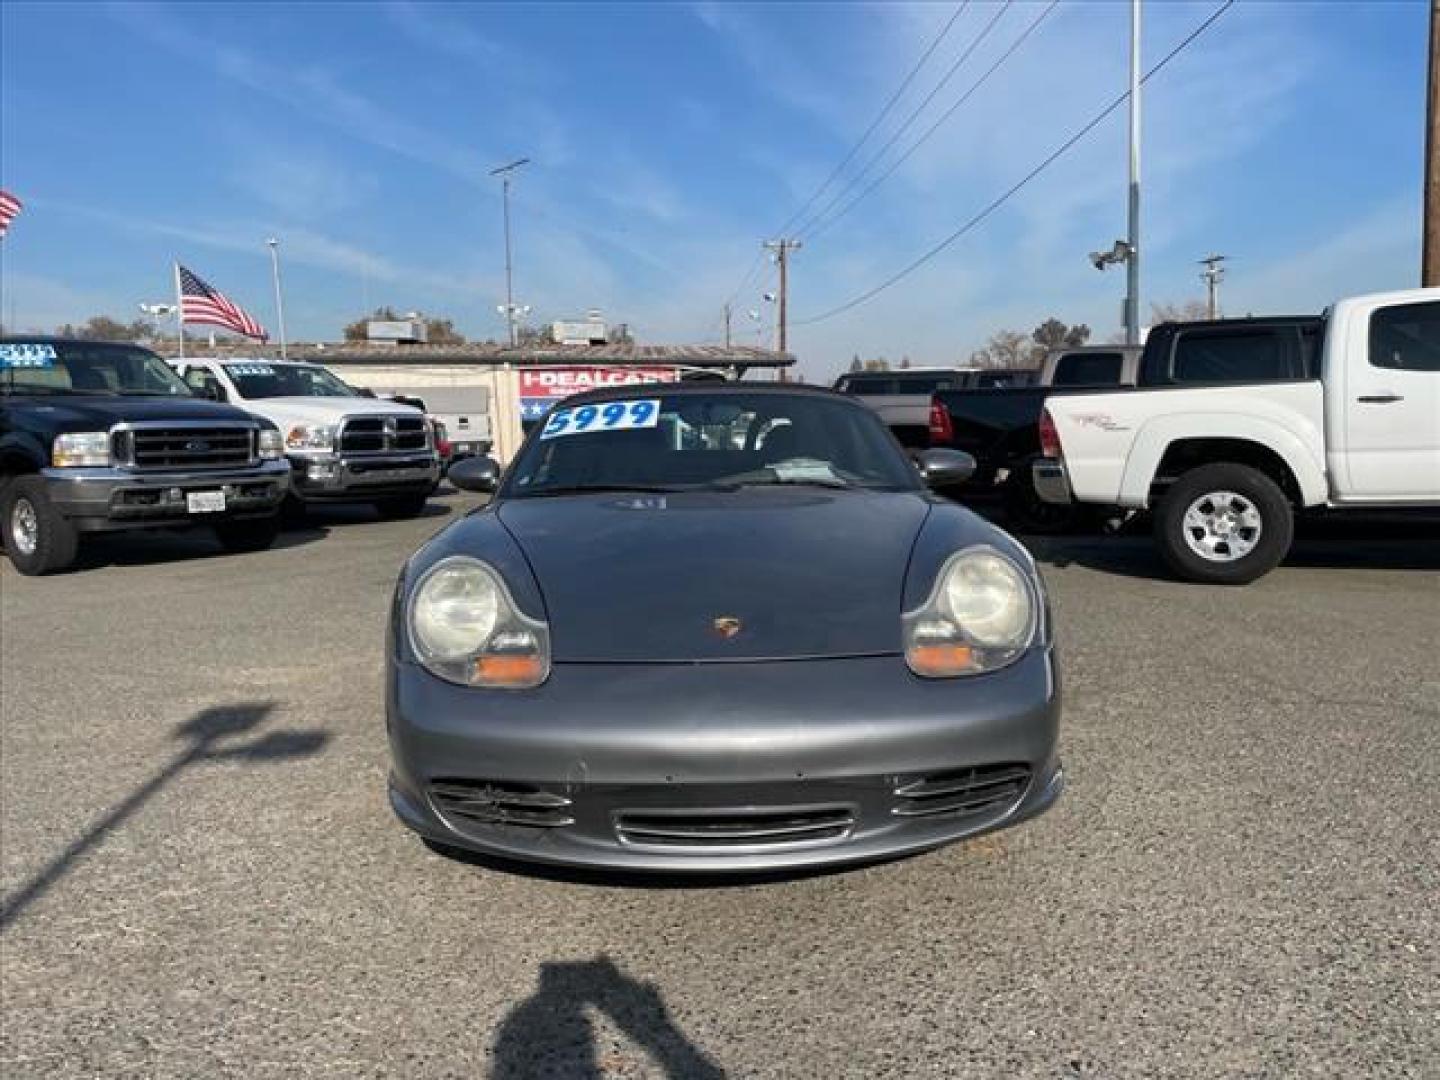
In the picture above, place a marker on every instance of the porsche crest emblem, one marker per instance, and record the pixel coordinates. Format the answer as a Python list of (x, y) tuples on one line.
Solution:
[(727, 626)]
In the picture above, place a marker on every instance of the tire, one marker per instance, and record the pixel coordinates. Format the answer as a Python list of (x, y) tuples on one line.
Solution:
[(402, 506), (1246, 525), (1028, 513), (38, 538), (248, 534)]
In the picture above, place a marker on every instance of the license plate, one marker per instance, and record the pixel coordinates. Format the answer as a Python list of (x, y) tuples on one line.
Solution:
[(205, 502)]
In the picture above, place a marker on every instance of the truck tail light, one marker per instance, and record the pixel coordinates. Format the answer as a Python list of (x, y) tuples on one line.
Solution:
[(1049, 436), (941, 430)]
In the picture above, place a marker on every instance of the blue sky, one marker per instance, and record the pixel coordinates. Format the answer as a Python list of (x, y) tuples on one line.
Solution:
[(668, 139)]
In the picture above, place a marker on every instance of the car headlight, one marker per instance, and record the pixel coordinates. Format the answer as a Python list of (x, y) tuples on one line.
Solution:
[(270, 445), (80, 448), (311, 437), (465, 628), (982, 614)]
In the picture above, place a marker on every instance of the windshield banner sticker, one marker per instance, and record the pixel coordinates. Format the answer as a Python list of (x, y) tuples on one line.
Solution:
[(610, 416), (250, 369), (27, 356)]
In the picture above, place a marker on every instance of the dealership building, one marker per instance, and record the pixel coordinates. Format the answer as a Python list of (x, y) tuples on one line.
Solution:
[(489, 393)]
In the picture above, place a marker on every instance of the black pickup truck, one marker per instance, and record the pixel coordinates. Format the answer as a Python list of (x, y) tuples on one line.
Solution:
[(98, 437), (1000, 428)]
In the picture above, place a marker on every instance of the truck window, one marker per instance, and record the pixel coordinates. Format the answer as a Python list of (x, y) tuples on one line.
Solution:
[(198, 378), (1406, 337), (1232, 356), (1088, 369)]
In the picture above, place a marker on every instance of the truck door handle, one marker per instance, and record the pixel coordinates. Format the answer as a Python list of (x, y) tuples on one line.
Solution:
[(1380, 399)]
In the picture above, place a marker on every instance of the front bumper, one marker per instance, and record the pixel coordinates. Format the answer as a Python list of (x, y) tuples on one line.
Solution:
[(108, 499), (716, 767), (1052, 482), (347, 479)]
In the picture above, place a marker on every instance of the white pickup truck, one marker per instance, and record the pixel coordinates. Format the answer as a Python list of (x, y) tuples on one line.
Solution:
[(1238, 425), (342, 447)]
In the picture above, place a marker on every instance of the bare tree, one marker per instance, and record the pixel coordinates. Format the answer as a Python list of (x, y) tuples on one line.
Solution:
[(1005, 349), (1189, 311), (104, 328)]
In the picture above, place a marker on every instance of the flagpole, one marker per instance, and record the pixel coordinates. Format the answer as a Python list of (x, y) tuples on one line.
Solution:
[(179, 312)]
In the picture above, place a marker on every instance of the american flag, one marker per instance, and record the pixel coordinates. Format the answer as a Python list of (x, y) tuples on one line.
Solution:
[(202, 303), (9, 209)]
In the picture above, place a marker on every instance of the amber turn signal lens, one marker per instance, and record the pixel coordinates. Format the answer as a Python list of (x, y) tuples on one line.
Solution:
[(942, 660), (508, 670)]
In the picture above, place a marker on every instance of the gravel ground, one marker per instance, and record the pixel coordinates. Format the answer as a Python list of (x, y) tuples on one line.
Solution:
[(201, 875)]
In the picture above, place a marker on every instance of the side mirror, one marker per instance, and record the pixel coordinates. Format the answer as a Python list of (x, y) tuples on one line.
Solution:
[(942, 468), (480, 474)]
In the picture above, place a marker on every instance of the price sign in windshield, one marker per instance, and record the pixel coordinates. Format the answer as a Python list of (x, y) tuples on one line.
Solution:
[(604, 416), (17, 355)]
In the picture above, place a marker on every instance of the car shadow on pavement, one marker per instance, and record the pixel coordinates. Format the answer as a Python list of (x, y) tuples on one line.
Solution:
[(148, 547), (1337, 542), (343, 515), (205, 737), (549, 1033), (609, 878)]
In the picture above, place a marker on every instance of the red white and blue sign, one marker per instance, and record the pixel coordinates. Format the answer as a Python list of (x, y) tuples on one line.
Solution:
[(542, 387)]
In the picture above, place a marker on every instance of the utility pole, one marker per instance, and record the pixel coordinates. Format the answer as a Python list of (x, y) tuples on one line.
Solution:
[(274, 246), (1430, 260), (782, 249), (504, 172), (1212, 275), (727, 326), (1132, 263)]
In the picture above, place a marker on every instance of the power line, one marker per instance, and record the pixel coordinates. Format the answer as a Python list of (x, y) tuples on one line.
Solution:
[(874, 124), (817, 228), (997, 203), (914, 115)]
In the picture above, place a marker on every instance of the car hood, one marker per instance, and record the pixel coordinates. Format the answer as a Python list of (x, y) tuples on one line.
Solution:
[(100, 412), (802, 573), (321, 410)]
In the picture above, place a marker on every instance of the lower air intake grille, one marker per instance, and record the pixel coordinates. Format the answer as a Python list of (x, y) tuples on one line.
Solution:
[(486, 803), (734, 828), (979, 792)]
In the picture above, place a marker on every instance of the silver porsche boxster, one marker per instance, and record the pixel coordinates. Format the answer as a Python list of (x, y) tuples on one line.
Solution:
[(718, 627)]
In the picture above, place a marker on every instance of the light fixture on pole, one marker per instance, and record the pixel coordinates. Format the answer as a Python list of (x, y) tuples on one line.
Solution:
[(1212, 275), (274, 246), (504, 172)]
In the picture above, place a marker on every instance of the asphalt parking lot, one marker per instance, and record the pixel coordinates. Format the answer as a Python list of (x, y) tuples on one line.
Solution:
[(202, 877)]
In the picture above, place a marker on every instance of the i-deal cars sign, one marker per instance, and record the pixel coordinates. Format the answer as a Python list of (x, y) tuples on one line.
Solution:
[(541, 388)]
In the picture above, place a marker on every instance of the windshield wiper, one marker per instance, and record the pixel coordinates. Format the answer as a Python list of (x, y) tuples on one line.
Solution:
[(780, 481), (591, 489)]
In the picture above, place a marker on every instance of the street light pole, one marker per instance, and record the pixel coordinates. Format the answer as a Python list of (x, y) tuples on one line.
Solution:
[(274, 246), (504, 172), (1132, 263)]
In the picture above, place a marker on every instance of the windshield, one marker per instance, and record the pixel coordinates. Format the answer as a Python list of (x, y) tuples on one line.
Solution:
[(262, 380), (679, 441), (71, 367)]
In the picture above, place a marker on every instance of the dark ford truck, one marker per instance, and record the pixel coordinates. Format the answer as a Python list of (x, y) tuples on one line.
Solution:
[(98, 437), (999, 427)]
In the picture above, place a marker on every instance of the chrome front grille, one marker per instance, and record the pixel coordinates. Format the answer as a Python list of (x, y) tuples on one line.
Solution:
[(734, 828), (383, 434), (184, 446), (977, 792)]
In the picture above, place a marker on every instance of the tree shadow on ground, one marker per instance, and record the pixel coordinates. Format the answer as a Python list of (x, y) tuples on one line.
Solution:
[(205, 736), (549, 1033)]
